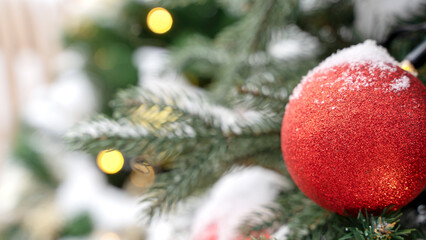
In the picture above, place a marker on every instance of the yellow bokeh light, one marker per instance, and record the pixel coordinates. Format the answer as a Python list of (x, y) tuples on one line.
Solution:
[(159, 20), (110, 161)]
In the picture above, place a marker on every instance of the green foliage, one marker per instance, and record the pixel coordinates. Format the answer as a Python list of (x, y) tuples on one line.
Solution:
[(80, 225), (109, 45), (385, 226), (14, 232), (28, 156), (196, 135), (365, 226)]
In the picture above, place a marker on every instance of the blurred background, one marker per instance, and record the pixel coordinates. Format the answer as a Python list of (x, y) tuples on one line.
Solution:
[(63, 61)]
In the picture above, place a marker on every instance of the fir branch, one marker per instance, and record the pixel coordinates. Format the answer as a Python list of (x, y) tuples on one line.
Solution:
[(268, 158), (192, 173), (385, 226), (198, 55), (365, 227), (180, 3), (198, 169), (263, 24), (264, 84), (251, 33), (192, 103), (259, 90), (102, 133), (291, 209), (236, 7)]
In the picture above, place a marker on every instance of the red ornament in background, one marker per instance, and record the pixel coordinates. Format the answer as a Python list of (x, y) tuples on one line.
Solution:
[(354, 132), (212, 233)]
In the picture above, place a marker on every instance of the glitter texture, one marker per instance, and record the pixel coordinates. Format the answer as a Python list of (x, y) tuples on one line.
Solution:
[(355, 136)]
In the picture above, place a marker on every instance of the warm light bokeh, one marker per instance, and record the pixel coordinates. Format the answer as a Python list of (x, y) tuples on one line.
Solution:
[(110, 161), (110, 236), (143, 179), (159, 20)]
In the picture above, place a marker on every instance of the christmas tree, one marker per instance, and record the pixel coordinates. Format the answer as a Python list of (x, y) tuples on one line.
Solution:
[(216, 110)]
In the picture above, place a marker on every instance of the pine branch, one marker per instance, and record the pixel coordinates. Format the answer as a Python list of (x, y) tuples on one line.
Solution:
[(246, 37), (385, 226), (194, 105), (200, 168), (269, 158), (293, 209), (180, 3), (198, 55), (236, 7), (268, 86), (192, 173), (365, 227), (102, 133), (263, 24), (251, 33)]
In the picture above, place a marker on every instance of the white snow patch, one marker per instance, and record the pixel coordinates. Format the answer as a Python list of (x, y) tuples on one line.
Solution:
[(154, 64), (367, 52), (297, 91), (385, 14), (195, 101), (292, 42), (70, 98), (176, 224), (110, 208), (400, 84), (232, 200), (282, 232)]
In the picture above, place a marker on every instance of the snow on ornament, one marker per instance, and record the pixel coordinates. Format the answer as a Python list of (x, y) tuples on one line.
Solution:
[(354, 132)]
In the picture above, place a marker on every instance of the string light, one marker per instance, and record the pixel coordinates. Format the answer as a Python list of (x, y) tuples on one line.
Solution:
[(110, 161), (159, 20)]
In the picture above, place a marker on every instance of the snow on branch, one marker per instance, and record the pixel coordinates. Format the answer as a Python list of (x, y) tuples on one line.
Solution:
[(196, 103), (103, 133)]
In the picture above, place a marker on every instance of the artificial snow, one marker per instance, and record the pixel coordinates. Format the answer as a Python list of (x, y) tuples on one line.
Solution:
[(232, 200), (161, 84), (85, 188), (367, 52), (384, 14), (56, 107), (400, 84), (195, 101), (292, 42)]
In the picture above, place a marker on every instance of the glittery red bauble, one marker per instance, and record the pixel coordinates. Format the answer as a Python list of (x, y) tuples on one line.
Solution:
[(354, 132)]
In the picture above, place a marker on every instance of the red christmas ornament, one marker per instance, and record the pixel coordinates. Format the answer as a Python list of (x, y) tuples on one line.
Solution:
[(354, 132)]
